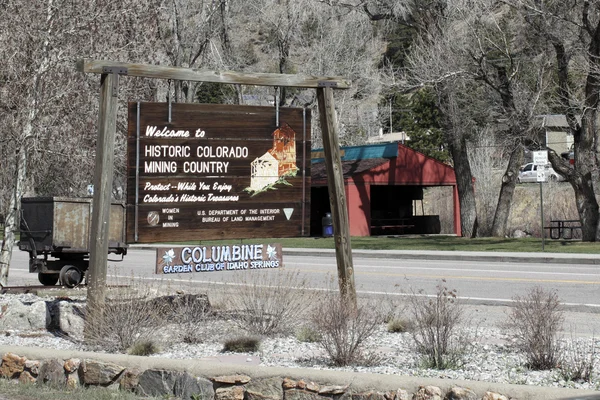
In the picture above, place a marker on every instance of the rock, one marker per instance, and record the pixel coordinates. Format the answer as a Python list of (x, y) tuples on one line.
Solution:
[(69, 319), (159, 383), (12, 365), (33, 366), (24, 317), (230, 393), (402, 395), (519, 234), (368, 396), (493, 396), (73, 381), (264, 389), (72, 364), (288, 384), (459, 393), (26, 377), (99, 373), (298, 394), (332, 390), (52, 372), (428, 393), (231, 379), (312, 387), (129, 380), (188, 387)]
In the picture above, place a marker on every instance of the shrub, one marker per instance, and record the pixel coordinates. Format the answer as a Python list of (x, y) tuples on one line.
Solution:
[(143, 348), (242, 344), (437, 331), (130, 316), (269, 302), (307, 334), (344, 329), (192, 312), (578, 360), (399, 325), (536, 319)]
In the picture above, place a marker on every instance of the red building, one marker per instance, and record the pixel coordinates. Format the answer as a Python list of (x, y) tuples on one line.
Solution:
[(382, 183)]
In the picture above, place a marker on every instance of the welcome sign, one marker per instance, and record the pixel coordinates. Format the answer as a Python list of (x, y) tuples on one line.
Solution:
[(199, 172)]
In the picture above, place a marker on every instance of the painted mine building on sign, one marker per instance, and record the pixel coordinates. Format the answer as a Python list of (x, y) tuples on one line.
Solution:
[(384, 183)]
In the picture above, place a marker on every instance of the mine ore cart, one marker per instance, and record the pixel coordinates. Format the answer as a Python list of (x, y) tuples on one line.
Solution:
[(56, 233)]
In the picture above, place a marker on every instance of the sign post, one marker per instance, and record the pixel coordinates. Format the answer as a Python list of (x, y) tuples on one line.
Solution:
[(540, 159)]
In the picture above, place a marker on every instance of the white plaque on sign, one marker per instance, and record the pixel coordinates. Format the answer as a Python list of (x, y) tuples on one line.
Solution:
[(540, 157), (541, 174)]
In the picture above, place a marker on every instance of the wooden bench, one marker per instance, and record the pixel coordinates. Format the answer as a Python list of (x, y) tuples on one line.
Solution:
[(399, 224), (563, 228)]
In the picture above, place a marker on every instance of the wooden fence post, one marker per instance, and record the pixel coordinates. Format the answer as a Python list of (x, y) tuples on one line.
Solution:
[(337, 194), (103, 178)]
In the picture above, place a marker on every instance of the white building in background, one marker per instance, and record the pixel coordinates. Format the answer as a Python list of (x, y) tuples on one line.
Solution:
[(555, 132), (401, 137)]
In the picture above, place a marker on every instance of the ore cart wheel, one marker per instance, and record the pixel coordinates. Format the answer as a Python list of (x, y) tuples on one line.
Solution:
[(70, 276), (48, 279)]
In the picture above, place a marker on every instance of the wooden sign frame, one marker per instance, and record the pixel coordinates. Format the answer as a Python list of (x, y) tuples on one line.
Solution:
[(103, 174)]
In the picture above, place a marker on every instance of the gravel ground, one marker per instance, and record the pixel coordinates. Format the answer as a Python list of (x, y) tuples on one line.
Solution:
[(493, 357)]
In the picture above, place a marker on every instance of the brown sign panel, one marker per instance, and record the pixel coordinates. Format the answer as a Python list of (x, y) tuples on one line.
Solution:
[(240, 257), (216, 172)]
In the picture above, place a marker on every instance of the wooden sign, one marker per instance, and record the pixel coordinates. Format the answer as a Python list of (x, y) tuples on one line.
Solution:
[(216, 172), (242, 257)]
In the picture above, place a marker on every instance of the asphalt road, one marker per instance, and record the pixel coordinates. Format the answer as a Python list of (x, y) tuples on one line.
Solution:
[(482, 282)]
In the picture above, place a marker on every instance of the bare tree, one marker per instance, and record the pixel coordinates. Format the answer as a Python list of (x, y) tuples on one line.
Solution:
[(572, 30)]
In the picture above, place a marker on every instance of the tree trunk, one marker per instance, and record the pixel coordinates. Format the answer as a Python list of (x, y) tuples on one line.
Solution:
[(14, 212), (464, 182), (509, 180)]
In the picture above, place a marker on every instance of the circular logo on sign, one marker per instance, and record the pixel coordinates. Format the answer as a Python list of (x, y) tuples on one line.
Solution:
[(153, 218)]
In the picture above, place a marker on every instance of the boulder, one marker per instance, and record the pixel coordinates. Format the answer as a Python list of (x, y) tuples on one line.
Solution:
[(153, 382), (129, 380), (12, 365), (52, 372), (428, 393), (264, 389), (231, 379), (99, 373), (299, 394), (230, 393), (24, 317), (459, 393), (69, 318)]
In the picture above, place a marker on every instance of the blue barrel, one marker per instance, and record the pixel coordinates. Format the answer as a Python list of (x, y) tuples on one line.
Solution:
[(327, 223)]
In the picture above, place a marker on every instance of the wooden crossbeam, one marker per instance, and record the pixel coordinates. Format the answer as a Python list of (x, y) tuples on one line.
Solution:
[(230, 77)]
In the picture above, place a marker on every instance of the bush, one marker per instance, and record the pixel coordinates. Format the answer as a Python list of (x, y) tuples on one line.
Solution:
[(269, 302), (343, 329), (437, 331), (242, 344), (192, 312), (143, 348), (130, 316), (578, 360), (399, 325), (307, 334), (536, 319)]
